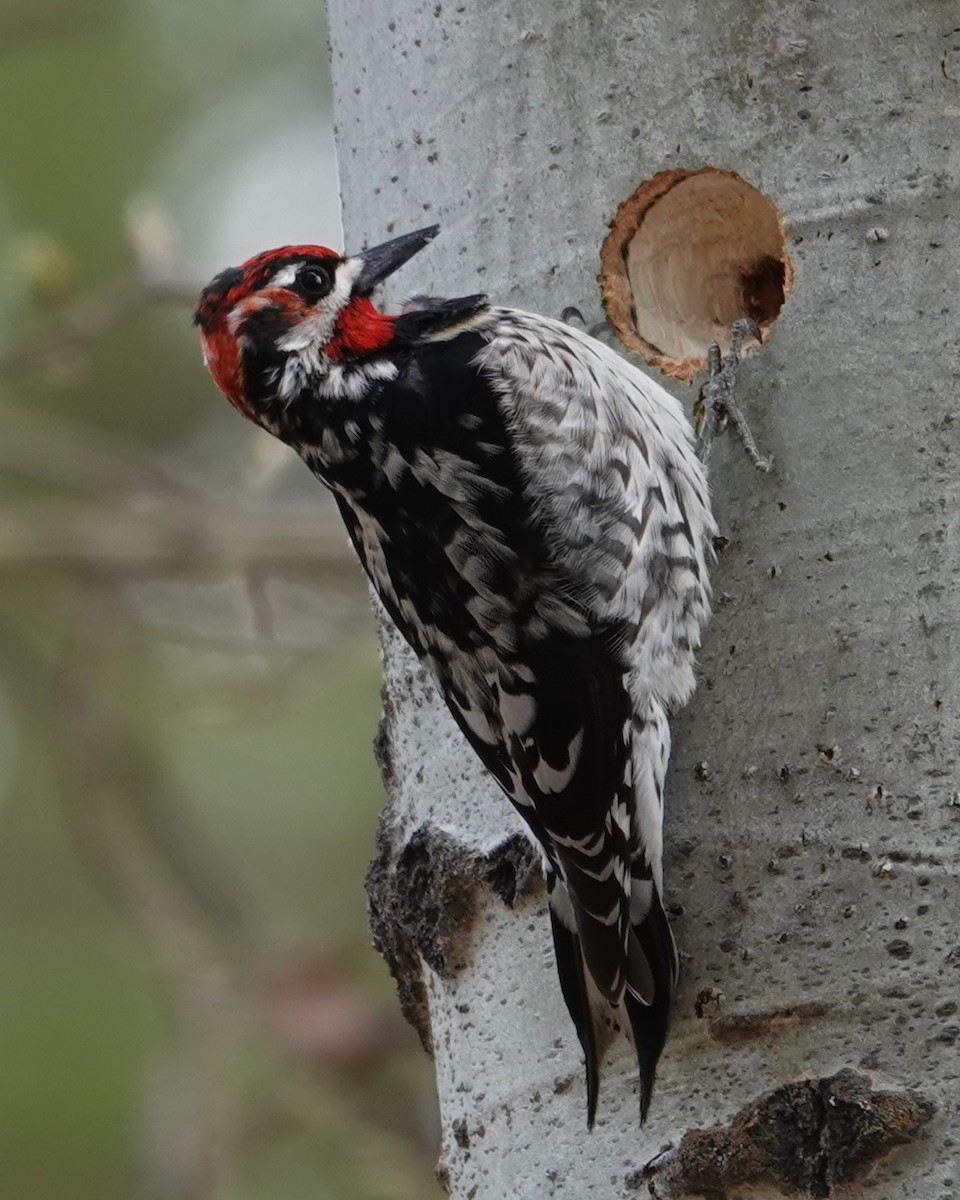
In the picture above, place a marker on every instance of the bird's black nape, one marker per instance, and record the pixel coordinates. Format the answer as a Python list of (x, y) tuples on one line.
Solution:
[(426, 318)]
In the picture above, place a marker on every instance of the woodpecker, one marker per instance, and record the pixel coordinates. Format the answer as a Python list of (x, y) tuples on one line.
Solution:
[(532, 512)]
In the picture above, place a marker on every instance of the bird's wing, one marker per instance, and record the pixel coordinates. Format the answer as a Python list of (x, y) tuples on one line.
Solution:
[(609, 467)]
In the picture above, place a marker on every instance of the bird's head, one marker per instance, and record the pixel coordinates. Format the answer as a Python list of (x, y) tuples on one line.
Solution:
[(299, 317)]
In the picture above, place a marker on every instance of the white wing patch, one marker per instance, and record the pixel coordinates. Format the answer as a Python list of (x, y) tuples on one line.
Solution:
[(557, 778)]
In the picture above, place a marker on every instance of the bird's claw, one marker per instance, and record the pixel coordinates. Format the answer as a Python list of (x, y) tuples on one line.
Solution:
[(572, 315), (602, 330), (716, 406)]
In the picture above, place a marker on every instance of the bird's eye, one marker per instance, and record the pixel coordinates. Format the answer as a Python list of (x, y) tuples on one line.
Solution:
[(314, 282)]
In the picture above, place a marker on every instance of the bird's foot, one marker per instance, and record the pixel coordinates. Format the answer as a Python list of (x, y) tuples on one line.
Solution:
[(716, 406)]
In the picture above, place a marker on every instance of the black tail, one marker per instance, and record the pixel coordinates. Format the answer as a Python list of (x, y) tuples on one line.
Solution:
[(649, 1022), (573, 984), (595, 1019)]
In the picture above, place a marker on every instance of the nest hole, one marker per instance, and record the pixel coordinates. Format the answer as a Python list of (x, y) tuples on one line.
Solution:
[(689, 253)]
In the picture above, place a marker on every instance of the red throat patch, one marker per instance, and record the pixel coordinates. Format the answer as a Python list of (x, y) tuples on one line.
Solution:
[(360, 329), (222, 357)]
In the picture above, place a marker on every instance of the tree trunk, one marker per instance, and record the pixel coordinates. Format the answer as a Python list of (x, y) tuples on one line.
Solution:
[(812, 811)]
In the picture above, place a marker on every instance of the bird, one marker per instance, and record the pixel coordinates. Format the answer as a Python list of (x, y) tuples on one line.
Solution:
[(532, 512)]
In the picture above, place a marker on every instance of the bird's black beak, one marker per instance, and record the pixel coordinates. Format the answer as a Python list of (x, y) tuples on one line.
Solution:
[(383, 260)]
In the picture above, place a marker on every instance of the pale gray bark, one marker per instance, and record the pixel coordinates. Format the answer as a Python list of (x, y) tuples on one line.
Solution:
[(815, 857)]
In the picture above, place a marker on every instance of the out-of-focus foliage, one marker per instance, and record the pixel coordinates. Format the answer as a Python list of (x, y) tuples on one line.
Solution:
[(188, 680)]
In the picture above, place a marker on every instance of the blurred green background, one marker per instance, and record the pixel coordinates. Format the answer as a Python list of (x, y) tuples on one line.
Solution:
[(189, 1007)]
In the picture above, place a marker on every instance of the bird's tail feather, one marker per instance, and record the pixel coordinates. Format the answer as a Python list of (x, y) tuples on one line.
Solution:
[(644, 1018), (653, 939), (573, 985)]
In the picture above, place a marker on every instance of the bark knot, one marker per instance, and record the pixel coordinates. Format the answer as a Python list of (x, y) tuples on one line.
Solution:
[(803, 1138), (425, 890)]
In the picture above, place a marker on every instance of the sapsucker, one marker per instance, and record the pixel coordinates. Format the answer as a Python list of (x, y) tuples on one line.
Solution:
[(531, 510)]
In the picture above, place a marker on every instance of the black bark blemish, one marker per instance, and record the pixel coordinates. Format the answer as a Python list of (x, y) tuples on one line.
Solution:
[(424, 894), (382, 750), (805, 1137), (512, 870), (461, 1134)]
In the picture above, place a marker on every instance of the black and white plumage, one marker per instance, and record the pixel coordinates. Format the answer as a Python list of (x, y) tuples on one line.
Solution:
[(532, 512)]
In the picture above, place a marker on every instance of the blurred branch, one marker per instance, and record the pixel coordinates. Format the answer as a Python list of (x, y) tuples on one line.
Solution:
[(168, 524), (127, 817), (130, 827), (92, 317), (153, 277), (65, 452), (171, 534), (68, 452), (208, 1113)]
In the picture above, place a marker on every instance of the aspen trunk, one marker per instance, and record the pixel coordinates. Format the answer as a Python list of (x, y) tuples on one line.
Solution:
[(812, 812)]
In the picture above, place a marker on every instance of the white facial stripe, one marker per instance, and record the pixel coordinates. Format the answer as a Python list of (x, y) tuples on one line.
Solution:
[(310, 336), (286, 276), (346, 276)]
